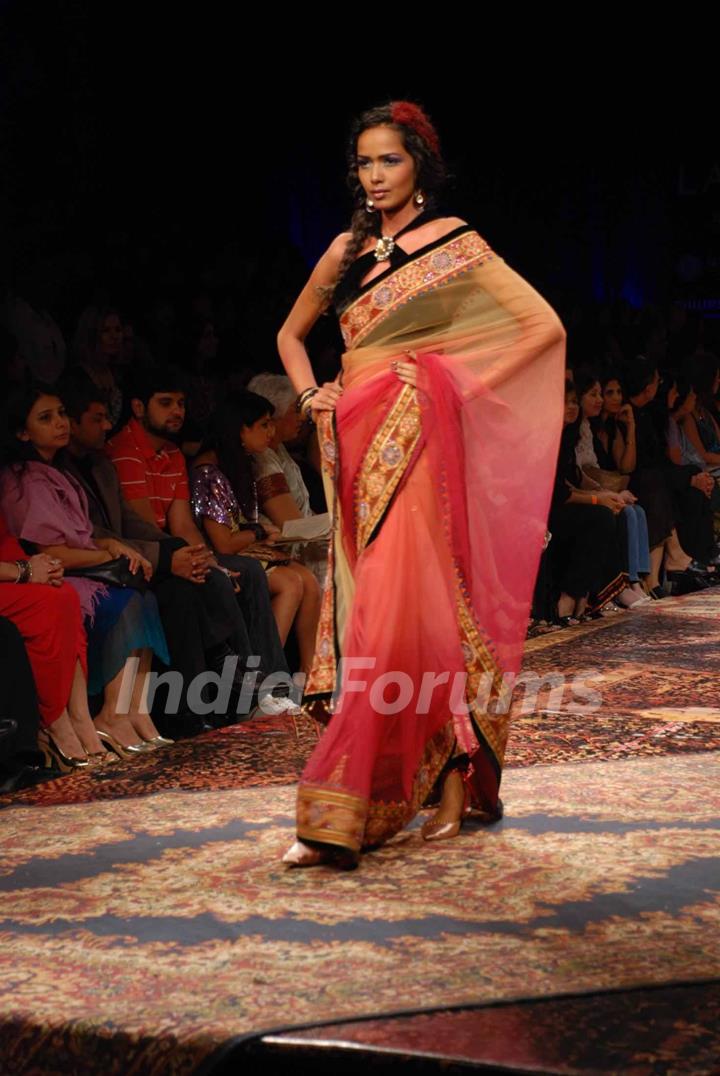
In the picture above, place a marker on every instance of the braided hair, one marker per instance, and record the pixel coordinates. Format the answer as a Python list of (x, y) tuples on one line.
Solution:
[(421, 142)]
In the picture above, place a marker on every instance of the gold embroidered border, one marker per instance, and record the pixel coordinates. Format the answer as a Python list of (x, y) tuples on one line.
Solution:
[(385, 463), (479, 662), (386, 819), (321, 678), (423, 273), (326, 437), (331, 816)]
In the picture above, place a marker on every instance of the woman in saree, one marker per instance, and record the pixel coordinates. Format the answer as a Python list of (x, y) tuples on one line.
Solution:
[(439, 507)]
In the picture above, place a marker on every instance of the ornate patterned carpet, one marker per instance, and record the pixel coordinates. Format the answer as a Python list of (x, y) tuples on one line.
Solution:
[(146, 922)]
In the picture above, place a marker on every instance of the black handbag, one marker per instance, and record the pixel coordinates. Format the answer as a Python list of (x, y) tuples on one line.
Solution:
[(114, 573)]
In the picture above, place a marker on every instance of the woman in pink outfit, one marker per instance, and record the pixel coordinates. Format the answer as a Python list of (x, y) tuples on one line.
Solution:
[(439, 442)]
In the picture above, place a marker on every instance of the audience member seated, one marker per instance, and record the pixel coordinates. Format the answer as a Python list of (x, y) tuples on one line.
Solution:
[(203, 619), (700, 424), (282, 493), (225, 502), (632, 533), (583, 548), (154, 482), (681, 448), (651, 484), (693, 486), (47, 615), (48, 508)]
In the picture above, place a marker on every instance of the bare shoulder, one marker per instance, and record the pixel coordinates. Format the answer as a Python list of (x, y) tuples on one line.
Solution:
[(336, 251)]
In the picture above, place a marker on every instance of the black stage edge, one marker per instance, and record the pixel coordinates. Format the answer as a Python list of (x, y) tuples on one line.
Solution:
[(648, 1031)]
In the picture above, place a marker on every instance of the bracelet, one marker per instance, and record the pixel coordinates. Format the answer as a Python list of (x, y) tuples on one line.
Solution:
[(304, 399), (593, 499), (24, 568)]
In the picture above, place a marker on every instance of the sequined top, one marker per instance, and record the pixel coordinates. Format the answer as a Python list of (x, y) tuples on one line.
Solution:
[(212, 497)]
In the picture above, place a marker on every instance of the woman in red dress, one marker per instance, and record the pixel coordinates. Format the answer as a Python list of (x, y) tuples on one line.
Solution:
[(47, 615)]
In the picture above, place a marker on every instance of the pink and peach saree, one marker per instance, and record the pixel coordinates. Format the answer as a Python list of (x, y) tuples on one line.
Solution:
[(439, 499)]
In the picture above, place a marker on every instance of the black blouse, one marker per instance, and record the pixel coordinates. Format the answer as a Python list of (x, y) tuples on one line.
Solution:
[(349, 287)]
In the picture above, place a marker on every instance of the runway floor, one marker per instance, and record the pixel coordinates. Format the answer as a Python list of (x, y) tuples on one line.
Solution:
[(147, 925)]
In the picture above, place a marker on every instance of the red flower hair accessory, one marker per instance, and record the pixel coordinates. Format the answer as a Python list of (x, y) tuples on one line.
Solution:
[(410, 115)]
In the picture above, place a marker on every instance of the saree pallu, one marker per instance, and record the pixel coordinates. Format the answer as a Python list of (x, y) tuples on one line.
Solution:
[(439, 498)]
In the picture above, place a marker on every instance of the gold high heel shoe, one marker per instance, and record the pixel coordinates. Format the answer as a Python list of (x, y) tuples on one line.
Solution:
[(131, 750), (159, 741), (444, 831), (150, 743), (54, 756)]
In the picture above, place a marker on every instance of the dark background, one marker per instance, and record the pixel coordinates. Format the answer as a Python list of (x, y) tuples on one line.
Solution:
[(149, 155)]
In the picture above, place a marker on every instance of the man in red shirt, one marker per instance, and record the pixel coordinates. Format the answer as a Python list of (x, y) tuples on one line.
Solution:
[(153, 478), (152, 470)]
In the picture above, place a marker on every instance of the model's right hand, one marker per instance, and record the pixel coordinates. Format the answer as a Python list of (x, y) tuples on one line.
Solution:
[(327, 396)]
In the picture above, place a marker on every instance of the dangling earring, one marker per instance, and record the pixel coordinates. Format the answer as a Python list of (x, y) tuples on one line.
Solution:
[(369, 206), (419, 199)]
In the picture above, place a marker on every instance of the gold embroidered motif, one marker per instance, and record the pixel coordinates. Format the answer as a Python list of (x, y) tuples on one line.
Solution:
[(384, 465), (321, 678), (485, 681), (328, 447), (386, 819), (331, 815), (424, 273)]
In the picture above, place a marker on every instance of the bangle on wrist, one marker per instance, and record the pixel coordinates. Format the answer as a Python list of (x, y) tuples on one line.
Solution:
[(593, 499), (24, 568), (302, 404)]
